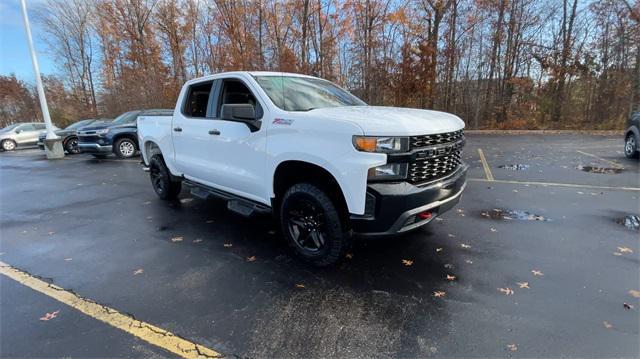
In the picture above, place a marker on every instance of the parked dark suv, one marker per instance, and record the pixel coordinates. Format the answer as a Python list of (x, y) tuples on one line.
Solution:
[(68, 135), (119, 136), (632, 136)]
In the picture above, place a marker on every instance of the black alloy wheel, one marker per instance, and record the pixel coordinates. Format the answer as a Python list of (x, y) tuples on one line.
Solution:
[(161, 179), (311, 223)]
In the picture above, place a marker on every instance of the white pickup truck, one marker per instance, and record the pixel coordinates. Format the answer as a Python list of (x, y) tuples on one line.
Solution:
[(325, 164)]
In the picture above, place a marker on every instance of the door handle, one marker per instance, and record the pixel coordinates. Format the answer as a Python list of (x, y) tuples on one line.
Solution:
[(214, 132), (177, 129)]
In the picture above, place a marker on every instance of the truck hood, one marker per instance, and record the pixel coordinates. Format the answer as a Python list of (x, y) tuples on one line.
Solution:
[(393, 121)]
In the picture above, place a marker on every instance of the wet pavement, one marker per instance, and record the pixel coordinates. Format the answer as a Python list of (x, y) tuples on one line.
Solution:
[(466, 285)]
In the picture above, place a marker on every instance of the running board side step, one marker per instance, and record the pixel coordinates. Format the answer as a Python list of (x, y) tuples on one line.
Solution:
[(242, 206)]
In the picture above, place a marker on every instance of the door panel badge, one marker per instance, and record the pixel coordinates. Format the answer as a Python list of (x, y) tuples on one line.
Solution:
[(282, 122)]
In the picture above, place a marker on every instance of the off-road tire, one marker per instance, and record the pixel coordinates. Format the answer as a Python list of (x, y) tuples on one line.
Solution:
[(8, 145), (337, 239), (163, 184), (129, 151)]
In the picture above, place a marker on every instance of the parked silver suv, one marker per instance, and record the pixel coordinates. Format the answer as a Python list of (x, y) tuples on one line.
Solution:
[(20, 134)]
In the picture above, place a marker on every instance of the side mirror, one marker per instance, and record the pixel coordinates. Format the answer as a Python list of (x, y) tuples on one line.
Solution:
[(18, 131), (241, 112)]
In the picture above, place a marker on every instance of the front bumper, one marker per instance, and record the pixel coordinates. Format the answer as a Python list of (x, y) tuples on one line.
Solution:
[(94, 148), (394, 207)]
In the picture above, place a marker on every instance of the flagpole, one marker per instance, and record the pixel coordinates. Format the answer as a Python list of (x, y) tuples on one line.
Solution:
[(43, 101)]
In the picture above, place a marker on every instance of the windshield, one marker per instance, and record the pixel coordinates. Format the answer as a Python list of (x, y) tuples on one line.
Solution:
[(126, 117), (79, 124), (10, 127), (293, 93)]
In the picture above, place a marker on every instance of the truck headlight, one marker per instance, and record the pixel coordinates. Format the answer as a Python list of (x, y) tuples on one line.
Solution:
[(390, 171), (381, 144), (103, 131)]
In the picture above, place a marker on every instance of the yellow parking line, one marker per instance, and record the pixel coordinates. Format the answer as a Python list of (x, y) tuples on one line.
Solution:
[(615, 164), (572, 185), (487, 169), (145, 331)]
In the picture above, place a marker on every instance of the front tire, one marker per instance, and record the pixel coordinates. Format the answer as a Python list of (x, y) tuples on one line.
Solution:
[(311, 224), (164, 186), (71, 146), (631, 146), (125, 148), (9, 145)]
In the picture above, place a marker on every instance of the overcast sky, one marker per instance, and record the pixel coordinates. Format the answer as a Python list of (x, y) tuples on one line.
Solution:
[(14, 51)]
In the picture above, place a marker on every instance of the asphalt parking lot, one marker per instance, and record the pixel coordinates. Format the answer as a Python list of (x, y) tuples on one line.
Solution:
[(472, 283)]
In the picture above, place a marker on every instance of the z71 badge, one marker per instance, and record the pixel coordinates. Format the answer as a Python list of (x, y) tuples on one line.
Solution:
[(282, 121)]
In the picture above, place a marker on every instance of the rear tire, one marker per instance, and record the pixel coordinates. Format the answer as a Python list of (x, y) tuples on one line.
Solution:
[(163, 184), (125, 148), (311, 224), (631, 146), (8, 145)]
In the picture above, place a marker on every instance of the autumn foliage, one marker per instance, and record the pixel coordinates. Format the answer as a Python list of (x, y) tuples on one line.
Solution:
[(525, 64)]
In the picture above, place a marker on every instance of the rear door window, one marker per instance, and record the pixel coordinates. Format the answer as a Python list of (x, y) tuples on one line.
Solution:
[(198, 100)]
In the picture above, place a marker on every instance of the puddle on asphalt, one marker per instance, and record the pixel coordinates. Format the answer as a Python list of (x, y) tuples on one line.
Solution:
[(516, 167), (510, 214), (601, 170), (632, 222)]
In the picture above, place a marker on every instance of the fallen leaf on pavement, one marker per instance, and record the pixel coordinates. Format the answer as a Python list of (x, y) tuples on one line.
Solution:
[(177, 239), (512, 347), (251, 259), (627, 306), (438, 250), (468, 261), (407, 262), (493, 229), (635, 293), (349, 256), (465, 245), (607, 325), (138, 271), (228, 245), (439, 294), (523, 285), (625, 250), (537, 273), (52, 233), (451, 277), (506, 291), (50, 316), (299, 285)]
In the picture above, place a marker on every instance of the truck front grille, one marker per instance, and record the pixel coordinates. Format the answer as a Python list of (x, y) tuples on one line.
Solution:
[(437, 139), (437, 156)]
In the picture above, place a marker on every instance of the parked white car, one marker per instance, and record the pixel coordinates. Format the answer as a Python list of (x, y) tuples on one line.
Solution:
[(21, 134), (317, 157)]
